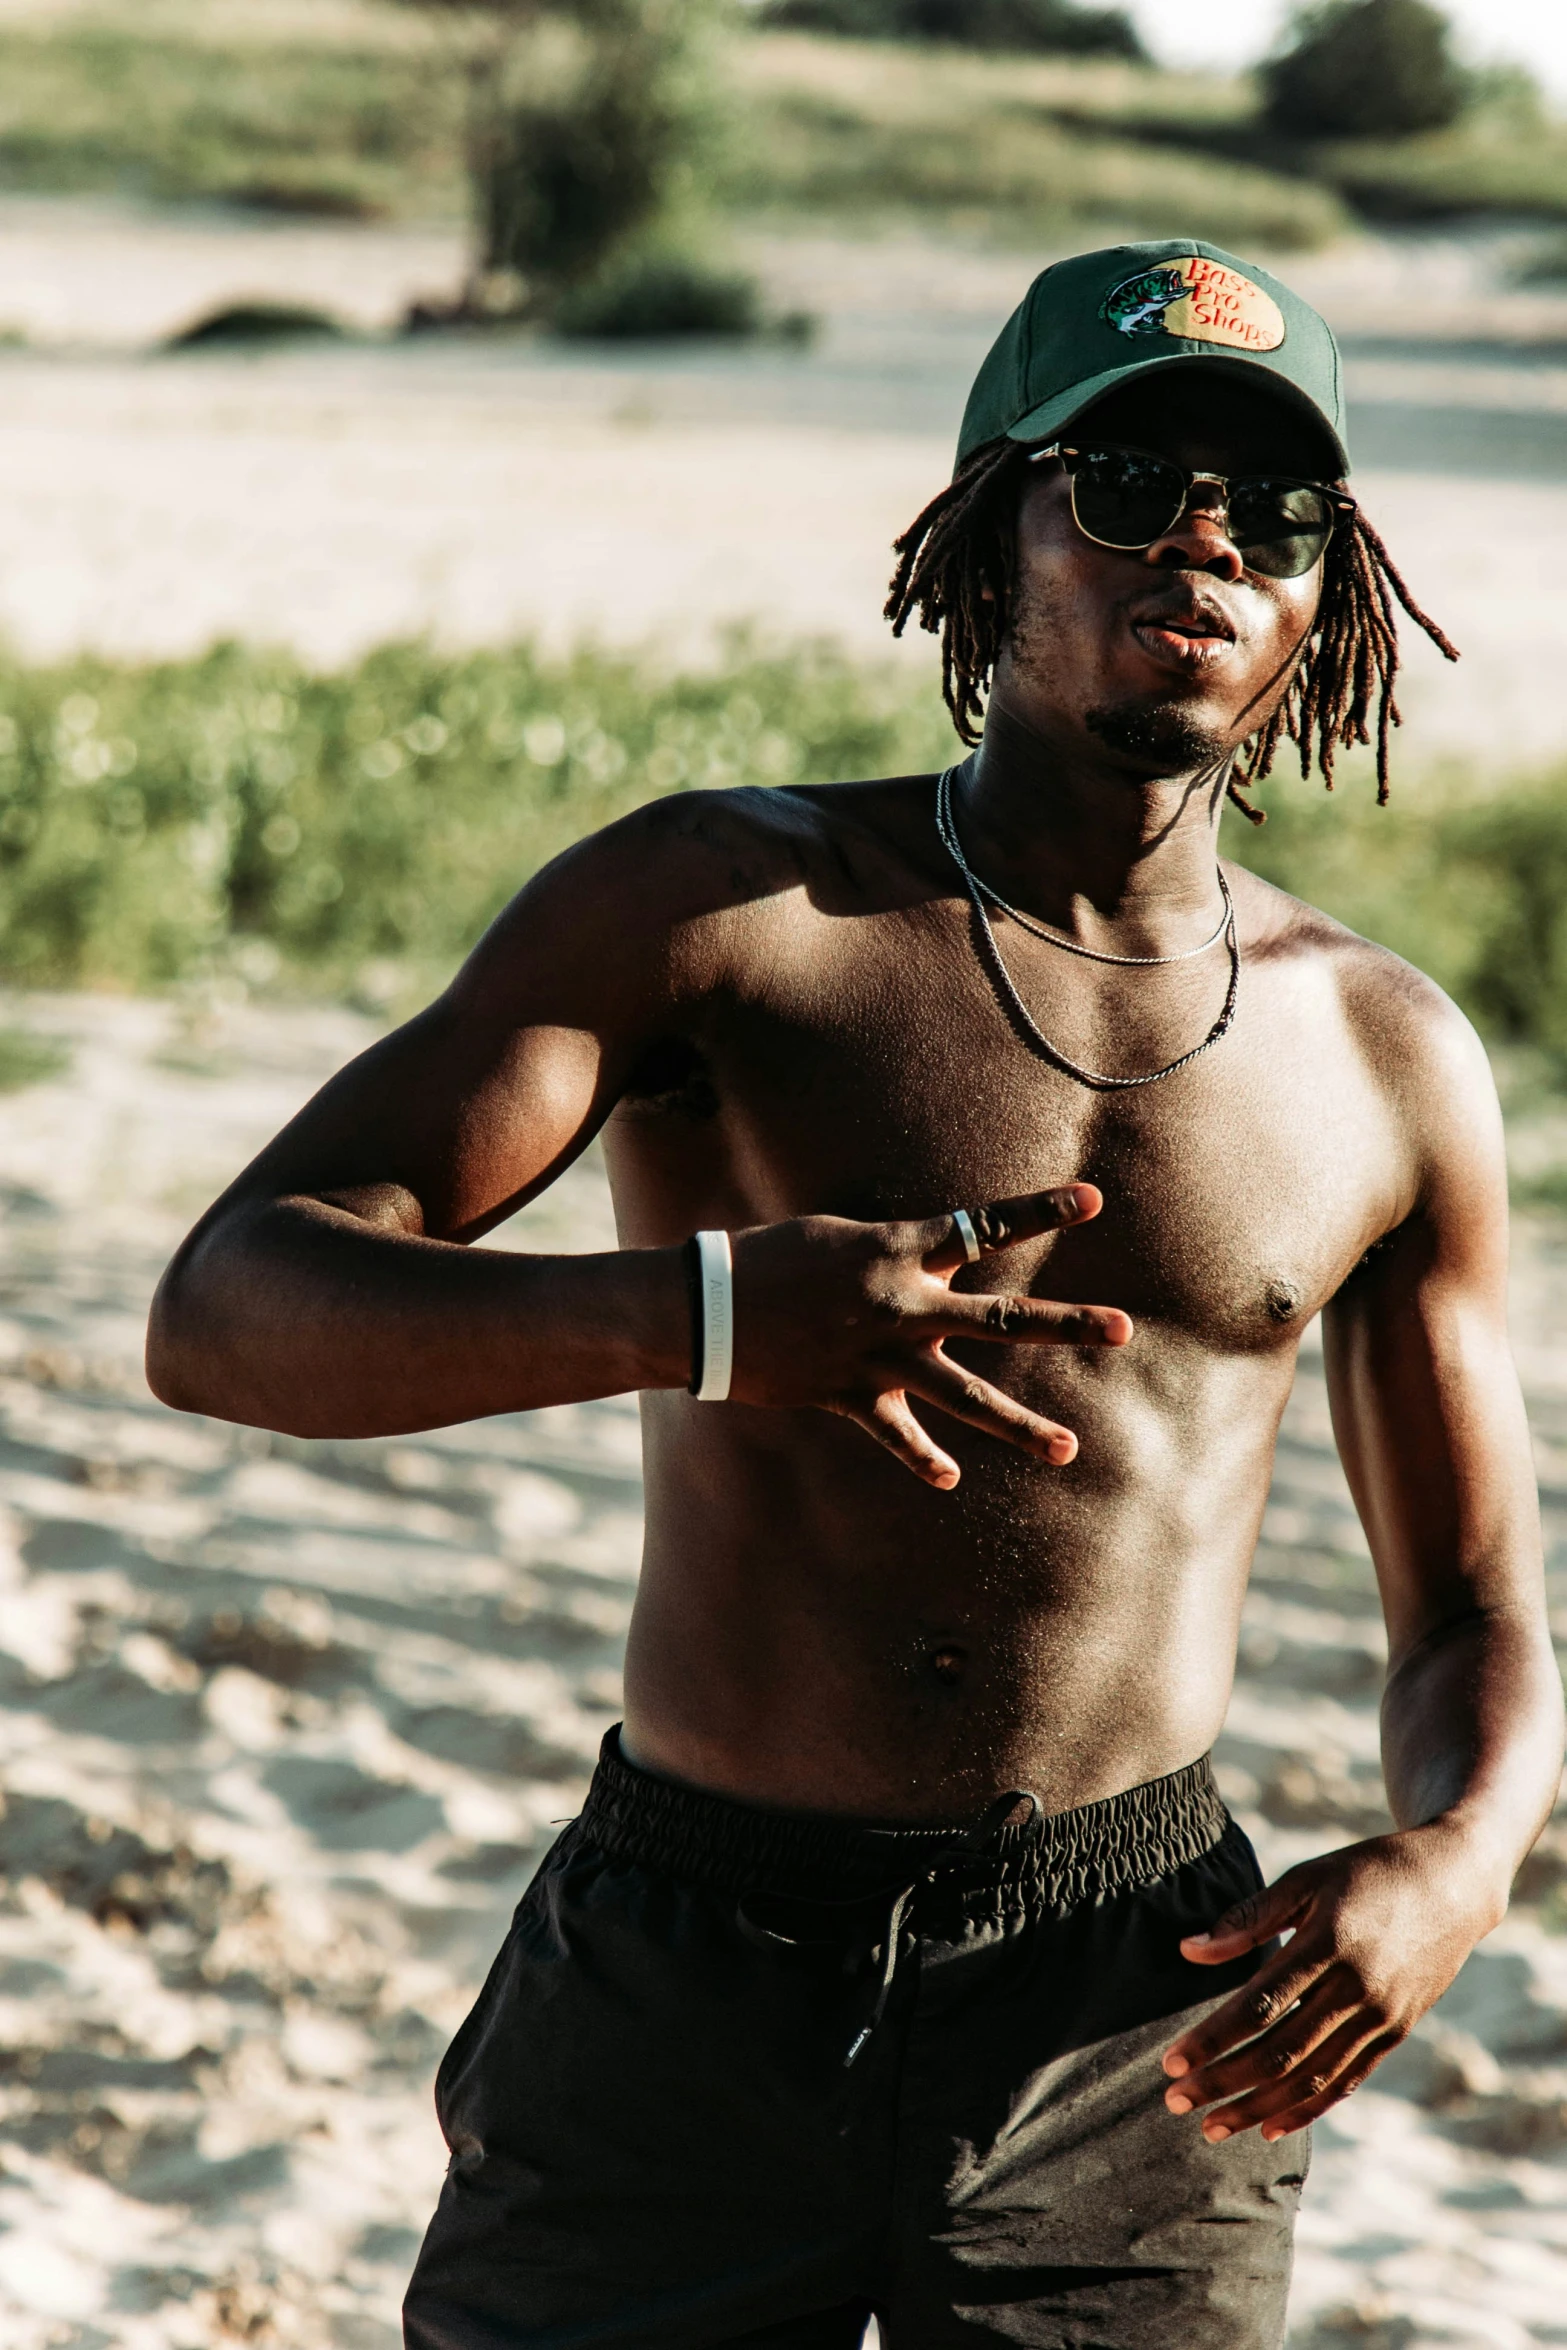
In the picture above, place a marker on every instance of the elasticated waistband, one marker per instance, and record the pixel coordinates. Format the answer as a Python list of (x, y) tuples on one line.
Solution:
[(1055, 1859)]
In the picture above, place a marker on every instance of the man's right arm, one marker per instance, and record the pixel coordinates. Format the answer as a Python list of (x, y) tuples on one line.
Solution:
[(334, 1289)]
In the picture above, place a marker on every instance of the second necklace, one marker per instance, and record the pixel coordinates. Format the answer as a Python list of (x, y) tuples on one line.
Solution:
[(978, 891)]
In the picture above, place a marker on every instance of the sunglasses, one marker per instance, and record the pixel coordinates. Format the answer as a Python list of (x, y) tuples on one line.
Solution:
[(1127, 498)]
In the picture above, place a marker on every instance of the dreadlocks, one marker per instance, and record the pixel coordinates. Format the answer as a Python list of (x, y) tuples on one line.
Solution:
[(964, 544)]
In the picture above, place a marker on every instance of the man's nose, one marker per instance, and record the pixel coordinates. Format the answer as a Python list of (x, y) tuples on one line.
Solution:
[(1199, 539)]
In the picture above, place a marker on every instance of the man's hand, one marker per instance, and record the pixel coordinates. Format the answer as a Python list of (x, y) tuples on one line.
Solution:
[(1376, 1934), (852, 1318)]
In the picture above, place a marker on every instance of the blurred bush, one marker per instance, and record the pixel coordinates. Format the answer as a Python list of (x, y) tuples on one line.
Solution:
[(590, 146), (1544, 264), (1505, 156), (1355, 68), (583, 130), (238, 818), (651, 293), (256, 322), (1057, 27)]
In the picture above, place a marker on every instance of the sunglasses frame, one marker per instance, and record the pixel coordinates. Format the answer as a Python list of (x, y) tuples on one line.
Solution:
[(1342, 505)]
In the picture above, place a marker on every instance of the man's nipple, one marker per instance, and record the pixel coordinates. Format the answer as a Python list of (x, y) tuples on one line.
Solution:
[(949, 1665)]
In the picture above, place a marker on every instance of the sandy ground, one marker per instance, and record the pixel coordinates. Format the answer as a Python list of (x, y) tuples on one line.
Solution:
[(284, 1726), (477, 489)]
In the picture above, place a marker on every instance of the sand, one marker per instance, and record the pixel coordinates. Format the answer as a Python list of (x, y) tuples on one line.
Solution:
[(282, 1725)]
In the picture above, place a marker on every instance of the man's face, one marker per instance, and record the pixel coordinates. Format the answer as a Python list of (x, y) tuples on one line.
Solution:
[(1171, 656)]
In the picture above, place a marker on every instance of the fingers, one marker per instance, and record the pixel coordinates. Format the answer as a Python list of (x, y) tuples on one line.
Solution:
[(1299, 2036), (1326, 2073), (891, 1422), (1028, 1321), (1007, 1221), (1324, 2091), (1259, 2004), (979, 1405), (1299, 2027), (1272, 1909), (1367, 1955)]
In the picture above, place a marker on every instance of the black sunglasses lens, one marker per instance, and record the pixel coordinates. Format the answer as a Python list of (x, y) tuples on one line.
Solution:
[(1124, 500), (1281, 527)]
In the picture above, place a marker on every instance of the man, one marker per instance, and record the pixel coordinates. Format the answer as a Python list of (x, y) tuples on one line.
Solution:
[(904, 1959)]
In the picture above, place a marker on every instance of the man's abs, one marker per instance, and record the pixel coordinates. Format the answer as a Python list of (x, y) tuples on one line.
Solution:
[(817, 1630)]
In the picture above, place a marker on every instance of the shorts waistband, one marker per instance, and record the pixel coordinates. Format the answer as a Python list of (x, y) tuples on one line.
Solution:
[(1054, 1859)]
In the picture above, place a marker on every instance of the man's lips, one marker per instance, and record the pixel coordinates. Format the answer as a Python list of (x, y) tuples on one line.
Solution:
[(1187, 636)]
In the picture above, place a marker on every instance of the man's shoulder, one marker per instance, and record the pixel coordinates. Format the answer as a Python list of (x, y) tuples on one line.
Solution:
[(719, 851), (784, 818), (693, 891), (1410, 1030)]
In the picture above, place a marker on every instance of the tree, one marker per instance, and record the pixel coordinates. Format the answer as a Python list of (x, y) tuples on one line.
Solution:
[(1363, 69), (1059, 26), (582, 118)]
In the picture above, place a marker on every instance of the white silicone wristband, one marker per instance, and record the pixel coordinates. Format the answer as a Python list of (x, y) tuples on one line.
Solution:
[(716, 1279)]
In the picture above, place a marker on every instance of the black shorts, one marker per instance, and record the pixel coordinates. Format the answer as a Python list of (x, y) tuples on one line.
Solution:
[(746, 2077)]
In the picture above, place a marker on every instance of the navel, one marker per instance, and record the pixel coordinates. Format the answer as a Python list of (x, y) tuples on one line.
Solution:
[(949, 1665)]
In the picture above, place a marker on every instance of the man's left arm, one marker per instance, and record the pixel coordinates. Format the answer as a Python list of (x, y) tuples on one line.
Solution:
[(1431, 1428)]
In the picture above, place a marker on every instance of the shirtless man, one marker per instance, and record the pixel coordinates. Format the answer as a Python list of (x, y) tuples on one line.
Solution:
[(904, 1959)]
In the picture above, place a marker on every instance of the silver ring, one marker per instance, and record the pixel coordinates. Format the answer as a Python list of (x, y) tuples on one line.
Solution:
[(967, 1234)]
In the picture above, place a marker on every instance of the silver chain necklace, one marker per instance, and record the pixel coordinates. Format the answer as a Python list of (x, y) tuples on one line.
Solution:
[(979, 891)]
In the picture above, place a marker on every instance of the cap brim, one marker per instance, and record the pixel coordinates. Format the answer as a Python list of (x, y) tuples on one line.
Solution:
[(1053, 415)]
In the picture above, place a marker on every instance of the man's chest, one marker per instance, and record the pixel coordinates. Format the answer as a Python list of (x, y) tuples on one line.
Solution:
[(875, 1084)]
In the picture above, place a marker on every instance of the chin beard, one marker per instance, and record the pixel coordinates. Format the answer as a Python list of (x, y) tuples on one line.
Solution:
[(1161, 731)]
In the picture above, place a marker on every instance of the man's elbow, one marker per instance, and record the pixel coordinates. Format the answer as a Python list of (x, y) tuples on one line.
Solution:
[(179, 1368), (202, 1347)]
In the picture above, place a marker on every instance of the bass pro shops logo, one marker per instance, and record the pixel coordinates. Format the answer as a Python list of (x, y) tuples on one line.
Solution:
[(1199, 302)]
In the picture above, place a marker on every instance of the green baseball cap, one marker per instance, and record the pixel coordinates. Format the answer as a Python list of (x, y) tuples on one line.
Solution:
[(1103, 319)]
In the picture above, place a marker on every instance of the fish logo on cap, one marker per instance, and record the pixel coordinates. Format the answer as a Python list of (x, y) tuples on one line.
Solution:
[(1198, 301)]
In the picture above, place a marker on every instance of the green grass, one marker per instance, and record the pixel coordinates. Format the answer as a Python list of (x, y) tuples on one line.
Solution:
[(1505, 155), (1017, 144), (1543, 265), (365, 120), (1468, 882), (356, 110), (1489, 163), (353, 130), (27, 1058), (1548, 1189), (1009, 148), (240, 819)]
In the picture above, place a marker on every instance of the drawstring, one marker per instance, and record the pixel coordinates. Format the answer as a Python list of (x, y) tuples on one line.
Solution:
[(897, 1916), (963, 1845)]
